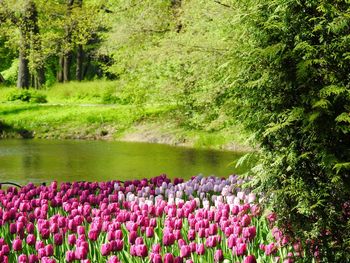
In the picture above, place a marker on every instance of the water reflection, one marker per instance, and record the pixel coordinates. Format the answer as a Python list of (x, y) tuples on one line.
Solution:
[(39, 161)]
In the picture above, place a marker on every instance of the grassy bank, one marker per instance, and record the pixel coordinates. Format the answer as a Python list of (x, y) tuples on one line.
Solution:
[(80, 111)]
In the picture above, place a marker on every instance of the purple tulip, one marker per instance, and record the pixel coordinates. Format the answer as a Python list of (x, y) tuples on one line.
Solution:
[(211, 241), (139, 241), (49, 250), (105, 249), (168, 239), (270, 249), (185, 251), (245, 220), (81, 253), (70, 256), (132, 237), (93, 235), (113, 259), (31, 239), (58, 239), (141, 250), (168, 258), (22, 258), (240, 249), (218, 255), (200, 249), (149, 232), (17, 244), (249, 259), (13, 228), (156, 258), (33, 258)]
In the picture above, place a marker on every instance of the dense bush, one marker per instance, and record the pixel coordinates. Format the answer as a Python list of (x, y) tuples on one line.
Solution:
[(27, 96), (294, 95)]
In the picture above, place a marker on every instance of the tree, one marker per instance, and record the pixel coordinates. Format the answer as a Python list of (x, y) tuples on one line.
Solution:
[(293, 94), (23, 15)]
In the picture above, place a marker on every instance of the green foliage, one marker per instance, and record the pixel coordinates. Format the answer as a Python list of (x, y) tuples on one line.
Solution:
[(10, 74), (176, 53), (31, 96), (293, 94)]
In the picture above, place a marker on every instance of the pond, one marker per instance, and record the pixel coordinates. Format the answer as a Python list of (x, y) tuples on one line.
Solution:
[(39, 161)]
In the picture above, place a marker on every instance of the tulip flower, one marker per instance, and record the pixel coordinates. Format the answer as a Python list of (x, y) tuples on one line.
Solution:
[(249, 259), (168, 258), (17, 245)]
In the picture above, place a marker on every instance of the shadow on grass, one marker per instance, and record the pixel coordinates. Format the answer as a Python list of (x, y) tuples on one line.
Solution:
[(6, 130), (18, 110)]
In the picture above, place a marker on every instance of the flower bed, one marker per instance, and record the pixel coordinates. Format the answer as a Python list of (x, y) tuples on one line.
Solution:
[(151, 220)]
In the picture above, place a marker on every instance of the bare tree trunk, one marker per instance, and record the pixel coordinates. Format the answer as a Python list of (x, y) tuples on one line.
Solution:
[(40, 76), (23, 79), (66, 67), (59, 76), (80, 59)]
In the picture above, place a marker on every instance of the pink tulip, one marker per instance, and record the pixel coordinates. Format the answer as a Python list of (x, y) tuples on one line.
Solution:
[(240, 249), (191, 235), (81, 253), (141, 250), (70, 256), (31, 239), (93, 235), (105, 249), (185, 251), (5, 250), (168, 258), (156, 258), (211, 241), (49, 250), (245, 220), (113, 259), (118, 234), (218, 255), (58, 239), (156, 248), (41, 253), (132, 237), (270, 249), (139, 241), (249, 259), (168, 239), (17, 245), (22, 258), (200, 249), (33, 259), (149, 232), (72, 239)]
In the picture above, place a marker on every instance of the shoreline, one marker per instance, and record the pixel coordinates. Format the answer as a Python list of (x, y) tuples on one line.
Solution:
[(153, 124)]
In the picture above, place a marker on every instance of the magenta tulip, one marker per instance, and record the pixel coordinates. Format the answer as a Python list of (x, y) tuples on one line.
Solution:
[(17, 245), (249, 259), (168, 258), (70, 256)]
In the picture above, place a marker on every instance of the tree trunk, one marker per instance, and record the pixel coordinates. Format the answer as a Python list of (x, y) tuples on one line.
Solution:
[(40, 76), (66, 67), (23, 79), (80, 59), (60, 69)]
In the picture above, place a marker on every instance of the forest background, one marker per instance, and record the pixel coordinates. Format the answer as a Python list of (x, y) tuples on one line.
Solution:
[(275, 72)]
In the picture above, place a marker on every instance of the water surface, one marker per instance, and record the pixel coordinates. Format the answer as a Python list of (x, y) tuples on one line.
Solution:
[(38, 161)]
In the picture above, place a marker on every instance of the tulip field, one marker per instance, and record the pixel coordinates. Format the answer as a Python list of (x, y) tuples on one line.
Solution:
[(204, 219)]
